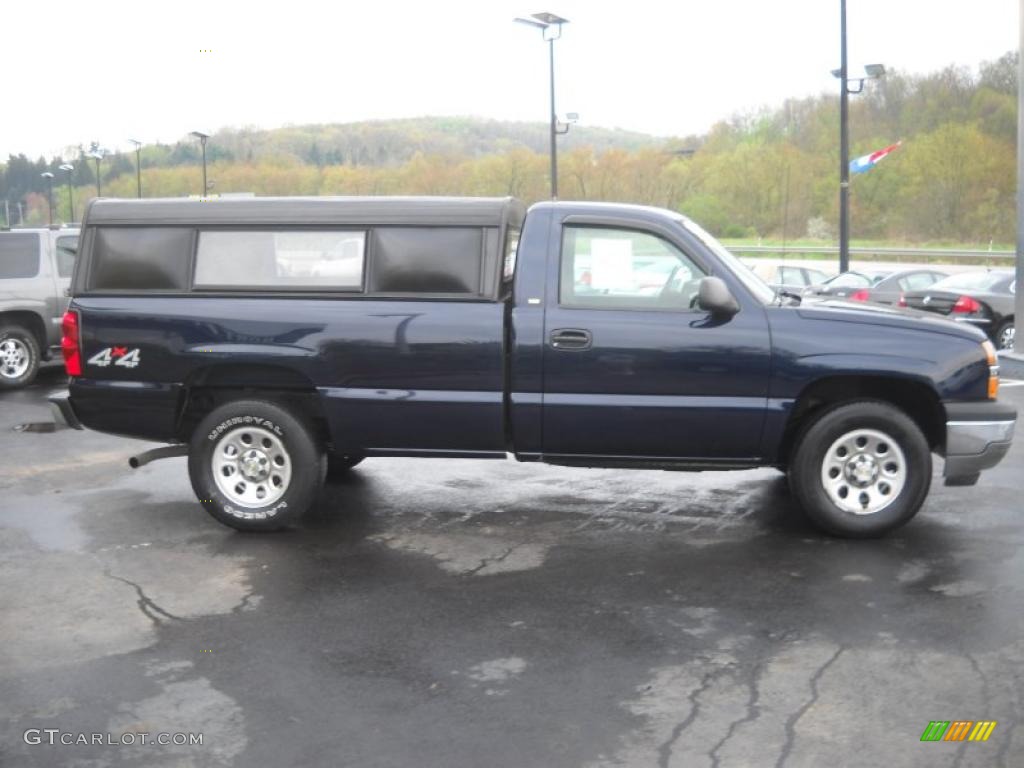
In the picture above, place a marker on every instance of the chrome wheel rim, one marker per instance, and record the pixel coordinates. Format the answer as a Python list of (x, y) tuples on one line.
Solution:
[(864, 471), (1006, 338), (14, 358), (251, 467)]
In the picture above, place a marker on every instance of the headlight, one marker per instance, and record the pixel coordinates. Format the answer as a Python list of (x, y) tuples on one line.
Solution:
[(993, 368)]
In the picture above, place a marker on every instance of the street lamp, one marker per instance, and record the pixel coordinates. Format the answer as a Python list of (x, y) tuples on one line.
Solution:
[(138, 165), (97, 155), (871, 72), (550, 27), (49, 191), (71, 198), (202, 140)]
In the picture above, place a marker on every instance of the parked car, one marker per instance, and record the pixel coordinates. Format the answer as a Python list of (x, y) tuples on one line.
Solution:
[(983, 299), (186, 328), (889, 289), (792, 277), (845, 283), (35, 271)]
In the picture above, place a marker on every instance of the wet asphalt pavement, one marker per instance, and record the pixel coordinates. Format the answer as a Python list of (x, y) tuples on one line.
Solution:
[(473, 613)]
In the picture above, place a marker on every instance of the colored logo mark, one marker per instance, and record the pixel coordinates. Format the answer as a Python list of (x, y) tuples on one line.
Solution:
[(959, 730)]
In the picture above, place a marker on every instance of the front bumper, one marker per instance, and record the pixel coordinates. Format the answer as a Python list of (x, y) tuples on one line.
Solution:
[(63, 414), (978, 436)]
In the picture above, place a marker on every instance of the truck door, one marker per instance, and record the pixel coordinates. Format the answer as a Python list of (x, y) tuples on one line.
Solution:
[(632, 369)]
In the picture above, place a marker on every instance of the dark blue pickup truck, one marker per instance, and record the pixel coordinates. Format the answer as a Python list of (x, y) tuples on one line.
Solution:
[(279, 342)]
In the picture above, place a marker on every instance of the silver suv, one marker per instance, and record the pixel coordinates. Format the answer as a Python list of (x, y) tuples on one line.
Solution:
[(35, 270)]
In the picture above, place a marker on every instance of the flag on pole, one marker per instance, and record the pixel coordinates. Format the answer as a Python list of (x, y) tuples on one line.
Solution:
[(867, 162)]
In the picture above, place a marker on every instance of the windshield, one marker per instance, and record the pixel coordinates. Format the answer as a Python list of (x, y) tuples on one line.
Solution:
[(970, 281), (753, 283)]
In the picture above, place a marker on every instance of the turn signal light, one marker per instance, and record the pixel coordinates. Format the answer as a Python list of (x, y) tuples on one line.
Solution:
[(903, 300), (69, 343), (993, 368), (965, 305), (860, 295)]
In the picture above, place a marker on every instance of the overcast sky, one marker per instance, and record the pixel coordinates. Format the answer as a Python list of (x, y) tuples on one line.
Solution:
[(108, 71)]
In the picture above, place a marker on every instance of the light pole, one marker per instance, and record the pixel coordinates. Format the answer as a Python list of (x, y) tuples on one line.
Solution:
[(872, 71), (97, 155), (67, 167), (138, 165), (550, 27), (1019, 303), (202, 140), (49, 192)]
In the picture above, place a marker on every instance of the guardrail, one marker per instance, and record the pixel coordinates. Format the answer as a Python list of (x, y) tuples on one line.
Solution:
[(951, 255)]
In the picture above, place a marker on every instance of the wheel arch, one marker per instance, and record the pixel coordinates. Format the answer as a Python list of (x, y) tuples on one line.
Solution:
[(915, 398), (30, 321), (208, 387)]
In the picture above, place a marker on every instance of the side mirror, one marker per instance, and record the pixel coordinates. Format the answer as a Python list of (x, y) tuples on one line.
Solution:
[(713, 296)]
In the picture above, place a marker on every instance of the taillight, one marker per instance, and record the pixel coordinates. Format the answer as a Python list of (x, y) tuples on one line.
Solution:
[(70, 342), (903, 300), (965, 305), (860, 295)]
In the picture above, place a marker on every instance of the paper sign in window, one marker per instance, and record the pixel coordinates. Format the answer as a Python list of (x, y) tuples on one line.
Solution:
[(611, 264)]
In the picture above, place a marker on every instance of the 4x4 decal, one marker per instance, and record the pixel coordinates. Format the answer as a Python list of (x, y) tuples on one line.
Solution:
[(128, 358)]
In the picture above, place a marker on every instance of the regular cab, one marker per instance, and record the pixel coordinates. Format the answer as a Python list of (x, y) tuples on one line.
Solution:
[(277, 342)]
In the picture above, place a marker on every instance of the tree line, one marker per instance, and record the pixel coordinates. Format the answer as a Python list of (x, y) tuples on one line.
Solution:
[(772, 172)]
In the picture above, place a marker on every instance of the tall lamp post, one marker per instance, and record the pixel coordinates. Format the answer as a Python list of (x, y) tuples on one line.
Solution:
[(138, 165), (97, 155), (872, 71), (69, 169), (550, 27), (202, 140), (1017, 347), (49, 192)]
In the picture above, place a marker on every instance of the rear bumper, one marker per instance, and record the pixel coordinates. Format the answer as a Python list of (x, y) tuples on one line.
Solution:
[(978, 436), (63, 414)]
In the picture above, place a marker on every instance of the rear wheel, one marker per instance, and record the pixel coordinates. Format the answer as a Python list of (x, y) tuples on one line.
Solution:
[(19, 357), (861, 469), (255, 465), (1005, 335)]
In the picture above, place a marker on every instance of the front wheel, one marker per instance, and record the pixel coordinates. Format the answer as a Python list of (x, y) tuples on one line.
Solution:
[(255, 465), (861, 469), (1005, 336)]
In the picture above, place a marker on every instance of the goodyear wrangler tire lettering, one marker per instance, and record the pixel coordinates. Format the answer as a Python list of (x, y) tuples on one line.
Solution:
[(255, 465)]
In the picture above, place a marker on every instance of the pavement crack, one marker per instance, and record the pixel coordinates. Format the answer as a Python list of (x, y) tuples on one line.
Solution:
[(486, 561), (795, 717), (665, 750), (984, 697), (149, 609), (242, 605), (753, 712)]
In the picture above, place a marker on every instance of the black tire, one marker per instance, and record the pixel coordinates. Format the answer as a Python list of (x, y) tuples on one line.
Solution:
[(1005, 336), (274, 433), (24, 345), (338, 466), (813, 448)]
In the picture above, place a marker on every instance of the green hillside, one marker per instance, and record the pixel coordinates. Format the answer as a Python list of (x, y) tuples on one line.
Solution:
[(767, 173)]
